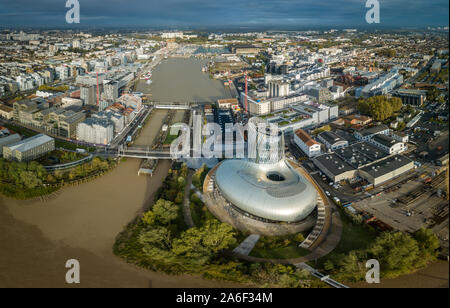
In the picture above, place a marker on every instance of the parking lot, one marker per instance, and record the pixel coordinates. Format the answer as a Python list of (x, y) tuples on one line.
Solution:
[(421, 212)]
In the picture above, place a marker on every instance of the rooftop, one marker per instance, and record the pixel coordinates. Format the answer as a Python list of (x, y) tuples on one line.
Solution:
[(373, 130), (331, 137), (305, 137), (334, 164), (387, 165), (5, 108), (385, 140), (29, 143), (411, 92), (371, 152), (271, 191)]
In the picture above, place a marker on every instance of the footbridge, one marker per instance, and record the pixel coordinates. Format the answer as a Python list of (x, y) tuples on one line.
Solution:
[(144, 153), (171, 105)]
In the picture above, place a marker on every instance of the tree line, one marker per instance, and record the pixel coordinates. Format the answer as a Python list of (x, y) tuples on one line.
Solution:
[(24, 180), (160, 241), (380, 107), (397, 252)]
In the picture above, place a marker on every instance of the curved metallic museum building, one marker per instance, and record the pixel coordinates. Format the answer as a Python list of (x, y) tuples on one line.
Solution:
[(272, 191), (266, 185)]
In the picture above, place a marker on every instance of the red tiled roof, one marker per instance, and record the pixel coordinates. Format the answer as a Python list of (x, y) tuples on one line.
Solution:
[(305, 137)]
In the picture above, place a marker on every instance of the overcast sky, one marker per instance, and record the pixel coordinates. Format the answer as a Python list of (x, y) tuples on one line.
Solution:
[(227, 13)]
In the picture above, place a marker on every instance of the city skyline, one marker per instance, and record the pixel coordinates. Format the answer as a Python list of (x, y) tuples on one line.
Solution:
[(285, 14)]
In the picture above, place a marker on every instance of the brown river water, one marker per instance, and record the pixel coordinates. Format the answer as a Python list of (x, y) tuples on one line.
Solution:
[(81, 222), (37, 238)]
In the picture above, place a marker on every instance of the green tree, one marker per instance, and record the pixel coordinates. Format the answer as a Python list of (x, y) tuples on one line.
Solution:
[(149, 218), (159, 237), (380, 110), (396, 104), (29, 179), (396, 251), (433, 94), (156, 244), (218, 236), (201, 244), (165, 211), (428, 241)]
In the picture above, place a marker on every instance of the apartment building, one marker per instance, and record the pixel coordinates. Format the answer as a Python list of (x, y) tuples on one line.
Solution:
[(307, 144), (95, 131)]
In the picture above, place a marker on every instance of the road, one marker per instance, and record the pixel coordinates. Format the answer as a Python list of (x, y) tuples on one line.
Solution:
[(138, 120)]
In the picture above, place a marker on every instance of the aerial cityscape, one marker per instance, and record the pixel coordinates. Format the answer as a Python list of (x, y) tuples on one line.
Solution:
[(202, 144)]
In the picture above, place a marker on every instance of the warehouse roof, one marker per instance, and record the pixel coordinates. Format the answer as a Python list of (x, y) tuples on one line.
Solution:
[(387, 165), (331, 137), (333, 163), (385, 140), (373, 130), (29, 143), (371, 152)]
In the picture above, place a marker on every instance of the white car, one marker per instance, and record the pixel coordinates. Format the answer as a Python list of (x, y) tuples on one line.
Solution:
[(328, 193)]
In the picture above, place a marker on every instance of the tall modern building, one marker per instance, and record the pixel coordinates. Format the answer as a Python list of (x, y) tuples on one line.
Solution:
[(88, 94), (278, 88), (111, 90), (62, 72), (95, 131)]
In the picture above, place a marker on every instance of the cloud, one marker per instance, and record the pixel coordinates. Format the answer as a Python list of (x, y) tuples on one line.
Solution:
[(224, 13)]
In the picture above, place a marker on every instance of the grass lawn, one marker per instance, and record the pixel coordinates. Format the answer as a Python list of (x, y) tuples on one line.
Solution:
[(170, 138), (354, 237), (289, 252), (59, 157)]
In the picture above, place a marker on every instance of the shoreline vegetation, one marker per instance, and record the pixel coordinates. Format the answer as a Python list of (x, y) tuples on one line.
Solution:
[(398, 253), (28, 180), (159, 240)]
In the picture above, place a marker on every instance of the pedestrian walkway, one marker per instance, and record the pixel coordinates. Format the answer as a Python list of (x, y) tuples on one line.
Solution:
[(247, 245), (186, 204), (198, 193), (325, 278)]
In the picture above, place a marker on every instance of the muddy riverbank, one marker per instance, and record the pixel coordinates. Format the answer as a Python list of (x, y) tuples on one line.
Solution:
[(81, 222)]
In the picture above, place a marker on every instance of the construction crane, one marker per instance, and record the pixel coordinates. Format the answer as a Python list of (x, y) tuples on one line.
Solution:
[(98, 93), (447, 181), (246, 92)]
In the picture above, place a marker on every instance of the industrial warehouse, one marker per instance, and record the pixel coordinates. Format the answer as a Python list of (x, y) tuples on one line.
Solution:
[(346, 165), (29, 149)]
